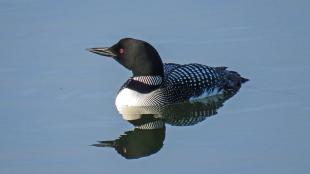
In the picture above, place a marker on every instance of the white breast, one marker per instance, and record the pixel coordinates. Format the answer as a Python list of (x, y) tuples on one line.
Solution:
[(128, 97)]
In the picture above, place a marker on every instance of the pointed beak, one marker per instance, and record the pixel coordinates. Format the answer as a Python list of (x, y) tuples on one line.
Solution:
[(105, 144), (104, 51)]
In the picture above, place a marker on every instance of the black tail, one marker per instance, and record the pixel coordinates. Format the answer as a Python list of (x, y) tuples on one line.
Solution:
[(243, 80), (232, 79)]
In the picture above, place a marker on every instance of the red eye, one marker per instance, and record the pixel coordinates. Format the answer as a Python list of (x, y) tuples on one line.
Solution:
[(121, 50)]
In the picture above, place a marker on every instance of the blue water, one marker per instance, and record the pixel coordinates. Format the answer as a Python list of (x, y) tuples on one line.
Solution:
[(56, 99)]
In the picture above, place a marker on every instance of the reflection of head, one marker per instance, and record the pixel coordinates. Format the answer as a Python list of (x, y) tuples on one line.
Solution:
[(146, 139)]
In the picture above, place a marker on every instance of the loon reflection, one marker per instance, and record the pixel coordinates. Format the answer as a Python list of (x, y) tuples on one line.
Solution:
[(149, 133)]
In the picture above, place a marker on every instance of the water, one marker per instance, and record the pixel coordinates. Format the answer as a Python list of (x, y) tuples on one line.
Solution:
[(57, 99)]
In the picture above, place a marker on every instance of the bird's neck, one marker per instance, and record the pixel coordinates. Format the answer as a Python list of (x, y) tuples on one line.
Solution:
[(143, 84), (149, 80), (147, 67)]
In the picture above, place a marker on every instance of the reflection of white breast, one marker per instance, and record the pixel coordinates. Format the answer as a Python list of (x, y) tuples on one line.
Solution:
[(128, 97)]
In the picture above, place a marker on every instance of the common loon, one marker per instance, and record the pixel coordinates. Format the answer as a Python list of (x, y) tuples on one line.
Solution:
[(156, 83)]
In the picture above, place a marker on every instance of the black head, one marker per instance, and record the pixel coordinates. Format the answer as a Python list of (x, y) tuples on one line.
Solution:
[(136, 55)]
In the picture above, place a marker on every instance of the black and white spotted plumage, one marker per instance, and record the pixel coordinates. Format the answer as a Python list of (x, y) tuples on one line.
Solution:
[(181, 83), (189, 81)]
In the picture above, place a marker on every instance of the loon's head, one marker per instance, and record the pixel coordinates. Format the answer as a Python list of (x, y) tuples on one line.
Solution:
[(136, 55)]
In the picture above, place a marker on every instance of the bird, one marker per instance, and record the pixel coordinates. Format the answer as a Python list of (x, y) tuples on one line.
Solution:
[(154, 83)]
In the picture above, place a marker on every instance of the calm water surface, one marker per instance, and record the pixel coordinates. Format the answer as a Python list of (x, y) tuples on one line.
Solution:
[(56, 99)]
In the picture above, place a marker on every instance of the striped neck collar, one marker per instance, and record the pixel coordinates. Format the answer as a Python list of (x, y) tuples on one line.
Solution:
[(149, 80)]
